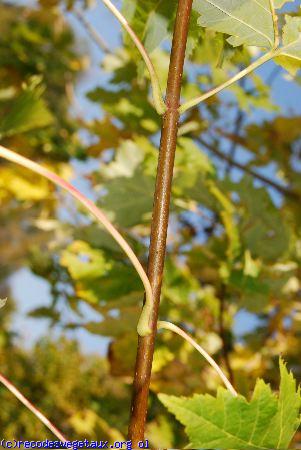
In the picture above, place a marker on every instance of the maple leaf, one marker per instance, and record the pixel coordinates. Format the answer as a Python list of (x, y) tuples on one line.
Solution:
[(290, 57), (247, 22), (225, 421)]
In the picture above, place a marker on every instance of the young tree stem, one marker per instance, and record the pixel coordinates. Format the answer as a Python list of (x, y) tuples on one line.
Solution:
[(160, 219)]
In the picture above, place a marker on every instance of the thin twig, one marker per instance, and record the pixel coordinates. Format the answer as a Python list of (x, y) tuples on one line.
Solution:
[(171, 327), (237, 127), (99, 41), (282, 189), (144, 327), (157, 94), (233, 146), (276, 51), (32, 408), (241, 115), (259, 62), (160, 219)]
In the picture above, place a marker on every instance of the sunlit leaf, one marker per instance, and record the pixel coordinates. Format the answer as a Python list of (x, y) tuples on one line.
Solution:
[(113, 326), (150, 19), (84, 262), (226, 421), (246, 21), (290, 57), (261, 223), (129, 199), (29, 111)]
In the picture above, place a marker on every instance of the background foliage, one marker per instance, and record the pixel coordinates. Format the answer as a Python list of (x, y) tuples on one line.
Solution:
[(234, 248)]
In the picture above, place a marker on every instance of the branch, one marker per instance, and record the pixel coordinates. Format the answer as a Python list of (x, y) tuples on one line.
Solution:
[(259, 62), (143, 326), (160, 219), (233, 146), (241, 115), (99, 41), (171, 327), (157, 94), (282, 189), (32, 408), (276, 51)]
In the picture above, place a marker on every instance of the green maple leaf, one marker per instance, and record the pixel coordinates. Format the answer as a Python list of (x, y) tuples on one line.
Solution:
[(28, 112), (263, 230), (247, 22), (129, 199), (96, 277), (290, 57), (225, 421), (287, 420), (83, 262), (120, 281), (150, 19)]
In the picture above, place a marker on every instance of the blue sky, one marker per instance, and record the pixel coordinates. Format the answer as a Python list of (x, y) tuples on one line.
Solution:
[(31, 291)]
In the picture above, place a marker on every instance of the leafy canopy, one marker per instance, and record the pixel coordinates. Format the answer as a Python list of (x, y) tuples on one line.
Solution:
[(233, 246)]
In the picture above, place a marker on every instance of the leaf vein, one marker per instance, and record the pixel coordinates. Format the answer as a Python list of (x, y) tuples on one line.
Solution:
[(232, 16)]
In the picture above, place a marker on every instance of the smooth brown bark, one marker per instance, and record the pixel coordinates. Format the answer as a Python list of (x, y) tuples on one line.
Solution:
[(160, 219)]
